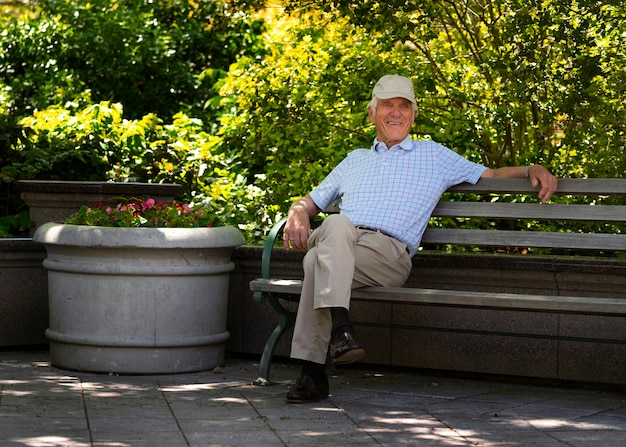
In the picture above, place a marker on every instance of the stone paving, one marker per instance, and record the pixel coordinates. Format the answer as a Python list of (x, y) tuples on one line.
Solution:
[(44, 406)]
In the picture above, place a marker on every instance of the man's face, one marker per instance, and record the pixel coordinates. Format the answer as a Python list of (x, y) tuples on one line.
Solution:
[(393, 120)]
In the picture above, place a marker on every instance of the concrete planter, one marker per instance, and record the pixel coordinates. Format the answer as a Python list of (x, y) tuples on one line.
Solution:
[(137, 300)]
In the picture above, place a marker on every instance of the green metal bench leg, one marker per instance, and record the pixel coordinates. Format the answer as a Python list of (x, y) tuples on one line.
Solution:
[(286, 320)]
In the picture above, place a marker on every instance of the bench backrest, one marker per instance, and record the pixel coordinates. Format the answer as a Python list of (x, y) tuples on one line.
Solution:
[(489, 207)]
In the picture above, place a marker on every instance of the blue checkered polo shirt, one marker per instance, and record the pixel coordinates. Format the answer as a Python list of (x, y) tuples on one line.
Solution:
[(395, 190)]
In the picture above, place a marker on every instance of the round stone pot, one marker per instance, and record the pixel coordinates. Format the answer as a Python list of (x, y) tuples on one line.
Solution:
[(137, 300)]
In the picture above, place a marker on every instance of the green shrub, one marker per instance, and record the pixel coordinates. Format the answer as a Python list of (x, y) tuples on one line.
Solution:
[(98, 143), (158, 57), (13, 213), (299, 111)]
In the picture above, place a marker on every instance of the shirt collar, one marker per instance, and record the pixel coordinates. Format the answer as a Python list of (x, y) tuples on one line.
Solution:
[(406, 144)]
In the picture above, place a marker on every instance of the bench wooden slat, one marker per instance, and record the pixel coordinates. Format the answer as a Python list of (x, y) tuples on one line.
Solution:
[(495, 300), (532, 211), (282, 286), (508, 238), (576, 187), (567, 186)]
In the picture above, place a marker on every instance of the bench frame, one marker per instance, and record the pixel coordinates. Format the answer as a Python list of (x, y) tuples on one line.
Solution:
[(278, 291)]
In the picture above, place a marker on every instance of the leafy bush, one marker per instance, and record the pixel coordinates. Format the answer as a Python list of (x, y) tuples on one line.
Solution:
[(483, 90), (155, 57), (509, 82), (11, 225), (160, 59), (295, 114), (97, 142), (501, 89)]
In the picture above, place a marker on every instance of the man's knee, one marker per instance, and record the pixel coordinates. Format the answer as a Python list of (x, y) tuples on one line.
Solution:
[(310, 258), (338, 220), (337, 227)]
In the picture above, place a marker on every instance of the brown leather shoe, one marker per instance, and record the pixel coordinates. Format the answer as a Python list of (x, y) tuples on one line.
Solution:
[(305, 390), (346, 350)]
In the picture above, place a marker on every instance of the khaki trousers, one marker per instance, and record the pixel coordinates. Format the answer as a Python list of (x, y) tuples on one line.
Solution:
[(340, 258)]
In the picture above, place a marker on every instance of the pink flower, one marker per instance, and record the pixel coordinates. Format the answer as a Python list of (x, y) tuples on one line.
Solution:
[(149, 203), (146, 212)]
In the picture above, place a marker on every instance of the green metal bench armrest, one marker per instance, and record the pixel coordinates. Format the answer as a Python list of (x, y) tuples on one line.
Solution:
[(267, 255)]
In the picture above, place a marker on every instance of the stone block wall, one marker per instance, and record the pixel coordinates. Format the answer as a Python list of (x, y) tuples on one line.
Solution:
[(23, 293)]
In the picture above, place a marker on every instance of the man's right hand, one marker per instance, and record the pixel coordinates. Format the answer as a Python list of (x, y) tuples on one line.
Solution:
[(298, 227)]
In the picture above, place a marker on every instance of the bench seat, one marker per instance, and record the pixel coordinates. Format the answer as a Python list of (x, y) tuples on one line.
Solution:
[(462, 298)]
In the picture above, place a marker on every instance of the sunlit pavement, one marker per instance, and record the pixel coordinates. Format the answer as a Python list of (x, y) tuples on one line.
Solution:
[(44, 406)]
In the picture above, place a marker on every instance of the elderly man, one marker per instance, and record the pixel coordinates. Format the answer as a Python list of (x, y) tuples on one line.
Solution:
[(387, 195)]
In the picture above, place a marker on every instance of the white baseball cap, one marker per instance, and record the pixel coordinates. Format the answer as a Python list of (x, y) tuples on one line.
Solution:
[(394, 86)]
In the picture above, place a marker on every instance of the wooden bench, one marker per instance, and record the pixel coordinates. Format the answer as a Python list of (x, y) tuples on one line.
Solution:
[(488, 206)]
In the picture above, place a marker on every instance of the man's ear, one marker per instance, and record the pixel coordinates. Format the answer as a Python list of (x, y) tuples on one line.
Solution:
[(371, 115)]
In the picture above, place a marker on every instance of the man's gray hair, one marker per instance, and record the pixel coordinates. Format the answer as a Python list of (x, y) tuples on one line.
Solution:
[(374, 102)]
